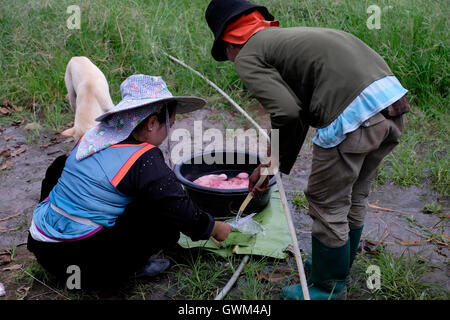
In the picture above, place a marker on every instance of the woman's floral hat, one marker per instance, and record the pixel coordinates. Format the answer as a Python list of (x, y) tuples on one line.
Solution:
[(142, 96)]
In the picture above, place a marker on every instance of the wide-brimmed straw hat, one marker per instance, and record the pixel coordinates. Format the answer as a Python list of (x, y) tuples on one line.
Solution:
[(140, 90), (220, 13)]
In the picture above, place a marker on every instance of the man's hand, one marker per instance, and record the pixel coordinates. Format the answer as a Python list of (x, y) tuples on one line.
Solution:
[(221, 230), (253, 179)]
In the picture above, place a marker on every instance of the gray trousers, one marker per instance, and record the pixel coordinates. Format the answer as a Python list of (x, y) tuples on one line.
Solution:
[(342, 176)]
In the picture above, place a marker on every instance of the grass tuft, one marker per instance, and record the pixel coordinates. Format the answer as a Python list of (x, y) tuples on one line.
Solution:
[(402, 277)]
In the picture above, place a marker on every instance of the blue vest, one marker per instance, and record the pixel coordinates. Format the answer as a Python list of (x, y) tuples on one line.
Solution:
[(87, 189)]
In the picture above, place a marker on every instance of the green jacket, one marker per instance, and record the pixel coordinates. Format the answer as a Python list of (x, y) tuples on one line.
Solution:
[(305, 77)]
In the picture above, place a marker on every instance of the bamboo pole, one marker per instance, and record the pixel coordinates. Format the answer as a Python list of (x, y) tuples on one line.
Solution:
[(232, 280)]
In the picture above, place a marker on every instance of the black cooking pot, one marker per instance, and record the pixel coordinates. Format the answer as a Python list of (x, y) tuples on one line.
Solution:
[(221, 202)]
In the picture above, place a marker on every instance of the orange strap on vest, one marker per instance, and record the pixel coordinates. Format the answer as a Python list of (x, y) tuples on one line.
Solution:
[(127, 165)]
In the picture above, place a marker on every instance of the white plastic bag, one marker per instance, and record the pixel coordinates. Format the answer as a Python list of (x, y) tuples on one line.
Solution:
[(246, 224)]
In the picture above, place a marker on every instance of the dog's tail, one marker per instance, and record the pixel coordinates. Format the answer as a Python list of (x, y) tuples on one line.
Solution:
[(69, 132)]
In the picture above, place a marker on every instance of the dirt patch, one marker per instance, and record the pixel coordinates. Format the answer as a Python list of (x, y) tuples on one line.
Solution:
[(21, 181), (397, 220)]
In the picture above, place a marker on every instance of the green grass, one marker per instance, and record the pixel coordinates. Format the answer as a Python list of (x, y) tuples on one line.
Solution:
[(123, 38), (401, 277), (204, 275), (432, 208), (251, 285), (33, 276), (34, 269), (422, 156), (301, 201)]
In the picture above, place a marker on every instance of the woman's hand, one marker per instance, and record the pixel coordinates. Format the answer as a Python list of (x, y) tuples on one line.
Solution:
[(221, 230)]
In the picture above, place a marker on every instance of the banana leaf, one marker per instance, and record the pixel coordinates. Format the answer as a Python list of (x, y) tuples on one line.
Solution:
[(271, 243)]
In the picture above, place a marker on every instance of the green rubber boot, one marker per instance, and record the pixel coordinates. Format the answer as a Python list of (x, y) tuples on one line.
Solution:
[(308, 266), (354, 236), (329, 270)]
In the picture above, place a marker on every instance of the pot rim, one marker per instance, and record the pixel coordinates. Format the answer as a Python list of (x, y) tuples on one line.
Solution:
[(197, 187)]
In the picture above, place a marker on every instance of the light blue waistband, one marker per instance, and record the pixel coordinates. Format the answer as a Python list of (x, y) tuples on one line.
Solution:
[(376, 97)]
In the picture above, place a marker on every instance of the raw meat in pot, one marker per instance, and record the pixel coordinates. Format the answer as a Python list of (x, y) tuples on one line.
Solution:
[(219, 181)]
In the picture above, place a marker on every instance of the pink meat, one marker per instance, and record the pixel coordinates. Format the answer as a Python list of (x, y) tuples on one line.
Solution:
[(219, 181), (242, 175)]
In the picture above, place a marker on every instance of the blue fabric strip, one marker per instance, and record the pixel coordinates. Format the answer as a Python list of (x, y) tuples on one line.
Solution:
[(376, 97)]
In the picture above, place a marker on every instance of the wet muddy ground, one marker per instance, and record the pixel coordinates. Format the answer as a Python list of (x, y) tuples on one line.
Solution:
[(395, 217)]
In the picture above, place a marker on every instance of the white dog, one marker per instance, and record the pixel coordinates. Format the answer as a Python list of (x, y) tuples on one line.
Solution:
[(88, 94)]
